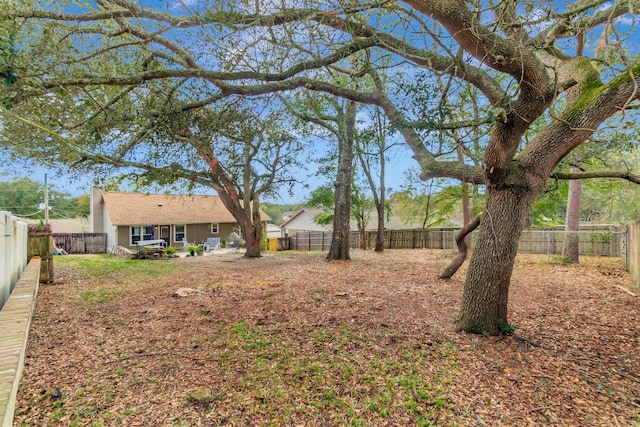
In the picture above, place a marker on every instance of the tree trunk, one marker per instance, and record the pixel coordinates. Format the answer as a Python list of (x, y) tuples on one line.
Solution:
[(571, 250), (381, 201), (248, 217), (426, 215), (466, 212), (363, 237), (486, 290), (244, 206), (252, 232), (342, 211), (253, 241), (380, 233), (342, 214)]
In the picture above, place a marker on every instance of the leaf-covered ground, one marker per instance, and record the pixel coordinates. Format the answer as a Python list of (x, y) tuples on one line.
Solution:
[(289, 339)]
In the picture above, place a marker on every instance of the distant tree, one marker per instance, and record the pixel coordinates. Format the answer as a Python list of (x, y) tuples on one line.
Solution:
[(371, 152), (276, 211), (24, 197), (239, 152), (323, 197), (606, 201), (430, 206), (549, 208), (337, 119), (361, 208)]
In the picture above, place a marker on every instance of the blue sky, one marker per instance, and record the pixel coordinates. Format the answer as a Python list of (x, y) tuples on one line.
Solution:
[(397, 166)]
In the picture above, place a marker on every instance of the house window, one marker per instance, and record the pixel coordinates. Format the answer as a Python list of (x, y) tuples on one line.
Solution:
[(141, 233), (178, 233), (214, 228)]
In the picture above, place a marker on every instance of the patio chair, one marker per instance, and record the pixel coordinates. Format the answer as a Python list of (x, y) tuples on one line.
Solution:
[(213, 243)]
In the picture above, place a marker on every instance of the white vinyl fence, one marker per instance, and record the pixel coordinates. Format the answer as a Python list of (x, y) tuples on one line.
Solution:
[(13, 252)]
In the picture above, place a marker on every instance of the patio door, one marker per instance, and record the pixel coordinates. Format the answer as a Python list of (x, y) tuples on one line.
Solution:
[(165, 234)]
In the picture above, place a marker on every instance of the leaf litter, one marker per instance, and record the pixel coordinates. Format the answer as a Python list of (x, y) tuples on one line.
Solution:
[(290, 339)]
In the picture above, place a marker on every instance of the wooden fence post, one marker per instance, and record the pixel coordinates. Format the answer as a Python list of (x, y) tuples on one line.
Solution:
[(41, 244)]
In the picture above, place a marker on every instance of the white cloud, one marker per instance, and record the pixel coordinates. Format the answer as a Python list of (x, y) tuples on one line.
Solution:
[(187, 5)]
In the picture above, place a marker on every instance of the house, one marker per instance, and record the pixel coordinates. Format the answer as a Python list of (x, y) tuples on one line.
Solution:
[(273, 230), (130, 217), (303, 221), (287, 215)]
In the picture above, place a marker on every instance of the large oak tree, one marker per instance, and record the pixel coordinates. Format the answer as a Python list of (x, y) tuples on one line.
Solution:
[(520, 55)]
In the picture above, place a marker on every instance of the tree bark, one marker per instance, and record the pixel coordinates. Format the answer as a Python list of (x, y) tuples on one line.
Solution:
[(252, 232), (249, 221), (484, 302), (339, 249), (342, 210), (462, 242), (380, 233), (381, 201), (426, 215), (571, 250)]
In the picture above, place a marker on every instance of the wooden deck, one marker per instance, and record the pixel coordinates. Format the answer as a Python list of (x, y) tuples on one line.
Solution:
[(15, 320)]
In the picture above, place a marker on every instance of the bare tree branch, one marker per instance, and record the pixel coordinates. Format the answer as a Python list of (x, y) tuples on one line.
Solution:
[(462, 247), (598, 174)]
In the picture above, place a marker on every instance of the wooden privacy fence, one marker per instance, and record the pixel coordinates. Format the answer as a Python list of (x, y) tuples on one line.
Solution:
[(314, 241), (632, 258), (13, 253), (81, 243), (429, 238), (594, 240), (600, 242)]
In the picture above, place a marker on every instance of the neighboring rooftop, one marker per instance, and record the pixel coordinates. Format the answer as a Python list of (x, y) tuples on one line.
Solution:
[(167, 209)]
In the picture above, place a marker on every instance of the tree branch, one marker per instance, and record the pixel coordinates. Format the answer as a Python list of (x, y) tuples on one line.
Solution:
[(462, 247), (429, 165), (420, 56), (598, 174), (579, 121), (566, 24)]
